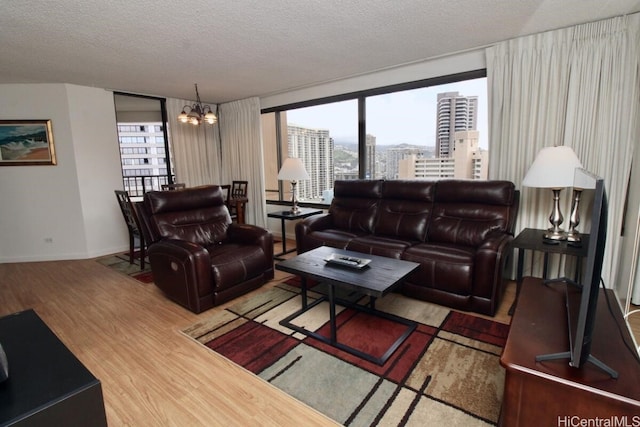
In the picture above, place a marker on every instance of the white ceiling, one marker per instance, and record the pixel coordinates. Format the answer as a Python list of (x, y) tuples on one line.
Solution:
[(242, 48)]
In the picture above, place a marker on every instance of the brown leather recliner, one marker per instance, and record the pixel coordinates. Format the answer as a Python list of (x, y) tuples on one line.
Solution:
[(197, 256)]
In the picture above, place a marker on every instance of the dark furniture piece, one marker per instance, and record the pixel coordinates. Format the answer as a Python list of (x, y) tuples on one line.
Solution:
[(289, 216), (551, 392), (459, 232), (531, 239), (238, 199), (235, 203), (379, 278), (198, 257), (47, 385), (171, 187), (133, 226)]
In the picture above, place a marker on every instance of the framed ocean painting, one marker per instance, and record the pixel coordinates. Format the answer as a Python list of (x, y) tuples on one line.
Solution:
[(26, 143)]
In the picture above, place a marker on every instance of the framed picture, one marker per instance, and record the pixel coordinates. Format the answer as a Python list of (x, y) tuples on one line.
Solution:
[(26, 142)]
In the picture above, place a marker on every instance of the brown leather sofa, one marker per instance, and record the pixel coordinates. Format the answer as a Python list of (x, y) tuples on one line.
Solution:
[(457, 230), (197, 256)]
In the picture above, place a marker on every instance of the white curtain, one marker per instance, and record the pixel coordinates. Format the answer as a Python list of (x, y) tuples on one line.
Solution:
[(242, 159), (196, 149), (576, 86)]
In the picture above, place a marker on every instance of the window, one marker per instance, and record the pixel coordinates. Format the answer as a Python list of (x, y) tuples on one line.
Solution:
[(422, 130), (143, 143)]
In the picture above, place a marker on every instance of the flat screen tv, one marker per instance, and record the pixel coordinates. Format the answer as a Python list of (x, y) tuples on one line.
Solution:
[(582, 296)]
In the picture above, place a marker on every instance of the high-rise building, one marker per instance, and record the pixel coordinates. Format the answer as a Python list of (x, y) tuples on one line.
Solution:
[(469, 161), (370, 159), (396, 154), (315, 148), (455, 113)]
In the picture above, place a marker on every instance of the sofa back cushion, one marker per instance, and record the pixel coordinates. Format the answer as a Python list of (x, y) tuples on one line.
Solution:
[(466, 211), (355, 204), (196, 215), (405, 209)]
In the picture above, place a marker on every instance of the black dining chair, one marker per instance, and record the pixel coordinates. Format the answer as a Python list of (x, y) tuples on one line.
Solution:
[(133, 225)]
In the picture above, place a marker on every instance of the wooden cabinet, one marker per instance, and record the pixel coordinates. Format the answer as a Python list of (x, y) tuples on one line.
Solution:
[(552, 393)]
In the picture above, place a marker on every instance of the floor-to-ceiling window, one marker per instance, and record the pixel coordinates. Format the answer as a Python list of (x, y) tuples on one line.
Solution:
[(143, 141), (430, 129)]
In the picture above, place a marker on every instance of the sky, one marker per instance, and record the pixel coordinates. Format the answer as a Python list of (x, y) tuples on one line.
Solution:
[(396, 118)]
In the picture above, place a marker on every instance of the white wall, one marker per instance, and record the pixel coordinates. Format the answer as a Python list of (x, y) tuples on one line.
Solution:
[(71, 203)]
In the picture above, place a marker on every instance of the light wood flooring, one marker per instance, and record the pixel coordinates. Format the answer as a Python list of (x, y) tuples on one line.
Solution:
[(127, 334)]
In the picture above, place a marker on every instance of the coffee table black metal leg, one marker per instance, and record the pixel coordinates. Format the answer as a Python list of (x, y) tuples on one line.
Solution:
[(303, 292), (332, 314)]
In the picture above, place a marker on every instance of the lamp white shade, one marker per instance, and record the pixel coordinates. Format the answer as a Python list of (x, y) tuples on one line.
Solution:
[(554, 167), (293, 170)]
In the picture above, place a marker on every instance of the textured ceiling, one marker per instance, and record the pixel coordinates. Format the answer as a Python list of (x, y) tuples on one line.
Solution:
[(242, 48)]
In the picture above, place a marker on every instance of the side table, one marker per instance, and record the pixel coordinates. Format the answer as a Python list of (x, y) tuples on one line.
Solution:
[(532, 239), (289, 216)]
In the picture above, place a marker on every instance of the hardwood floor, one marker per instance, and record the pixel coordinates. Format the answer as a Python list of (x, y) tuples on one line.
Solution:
[(127, 334)]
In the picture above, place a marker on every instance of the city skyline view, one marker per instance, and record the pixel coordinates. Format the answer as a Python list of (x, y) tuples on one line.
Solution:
[(407, 117)]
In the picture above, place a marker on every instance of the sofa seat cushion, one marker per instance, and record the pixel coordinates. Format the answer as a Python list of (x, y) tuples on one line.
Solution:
[(378, 245), (442, 266), (330, 237), (234, 263)]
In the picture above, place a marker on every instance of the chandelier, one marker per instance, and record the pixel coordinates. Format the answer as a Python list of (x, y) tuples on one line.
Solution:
[(197, 113)]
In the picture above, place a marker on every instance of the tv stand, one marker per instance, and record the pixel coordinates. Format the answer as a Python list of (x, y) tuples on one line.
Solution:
[(567, 355), (551, 392)]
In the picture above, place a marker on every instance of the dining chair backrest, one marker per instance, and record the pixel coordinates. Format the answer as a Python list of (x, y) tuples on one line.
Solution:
[(176, 186), (133, 225), (239, 188)]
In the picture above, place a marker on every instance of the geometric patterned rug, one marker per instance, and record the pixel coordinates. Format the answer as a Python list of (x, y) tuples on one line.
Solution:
[(446, 373), (120, 262)]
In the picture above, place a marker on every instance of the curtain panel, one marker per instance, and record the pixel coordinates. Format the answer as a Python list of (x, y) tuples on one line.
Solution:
[(241, 148), (196, 149), (578, 87)]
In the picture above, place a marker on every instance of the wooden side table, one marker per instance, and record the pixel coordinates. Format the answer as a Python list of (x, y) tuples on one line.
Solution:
[(289, 216), (531, 239)]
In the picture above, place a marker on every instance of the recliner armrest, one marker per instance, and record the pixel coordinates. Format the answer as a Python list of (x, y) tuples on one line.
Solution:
[(251, 234), (179, 260)]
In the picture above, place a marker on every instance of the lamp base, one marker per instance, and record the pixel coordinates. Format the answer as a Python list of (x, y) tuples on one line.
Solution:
[(574, 237), (294, 210), (555, 235)]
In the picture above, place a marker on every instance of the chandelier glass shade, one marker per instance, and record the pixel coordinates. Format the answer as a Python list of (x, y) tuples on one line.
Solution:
[(197, 113)]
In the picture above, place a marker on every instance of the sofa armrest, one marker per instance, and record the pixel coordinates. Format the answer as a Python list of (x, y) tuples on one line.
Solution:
[(252, 234), (313, 223), (310, 224), (489, 264)]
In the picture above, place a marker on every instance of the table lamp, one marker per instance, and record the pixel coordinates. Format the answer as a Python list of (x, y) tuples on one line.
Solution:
[(581, 182), (293, 170), (554, 168)]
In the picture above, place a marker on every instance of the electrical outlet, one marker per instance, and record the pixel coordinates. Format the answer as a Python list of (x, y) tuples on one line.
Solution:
[(48, 239)]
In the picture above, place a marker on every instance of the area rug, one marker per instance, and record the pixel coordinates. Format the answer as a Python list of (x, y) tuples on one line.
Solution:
[(120, 263), (446, 373)]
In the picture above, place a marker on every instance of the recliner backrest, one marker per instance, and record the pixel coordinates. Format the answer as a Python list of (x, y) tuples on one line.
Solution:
[(405, 209), (355, 204), (197, 215), (466, 211)]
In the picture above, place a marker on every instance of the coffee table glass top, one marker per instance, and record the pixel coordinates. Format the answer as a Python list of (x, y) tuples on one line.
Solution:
[(379, 277)]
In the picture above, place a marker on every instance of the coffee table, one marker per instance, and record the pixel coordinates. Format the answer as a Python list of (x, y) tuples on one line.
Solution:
[(381, 276)]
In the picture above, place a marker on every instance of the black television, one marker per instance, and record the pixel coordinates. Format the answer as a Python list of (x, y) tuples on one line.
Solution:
[(582, 296)]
